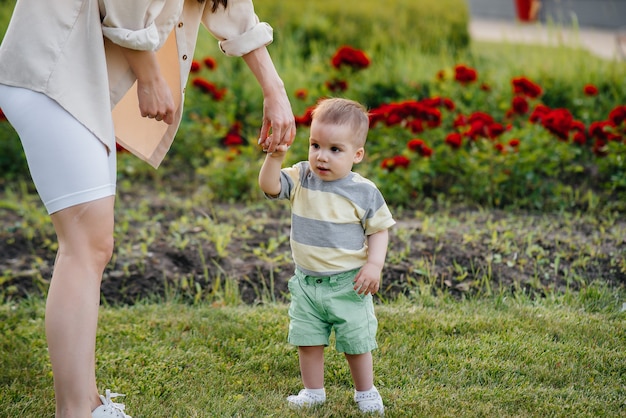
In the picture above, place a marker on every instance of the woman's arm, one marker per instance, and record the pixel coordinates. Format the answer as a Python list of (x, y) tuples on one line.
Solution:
[(155, 96), (277, 113)]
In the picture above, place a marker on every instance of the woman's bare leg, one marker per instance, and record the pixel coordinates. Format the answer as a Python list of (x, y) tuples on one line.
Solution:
[(85, 235)]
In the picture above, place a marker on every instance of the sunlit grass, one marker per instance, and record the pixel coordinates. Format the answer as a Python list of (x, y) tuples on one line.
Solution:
[(496, 357)]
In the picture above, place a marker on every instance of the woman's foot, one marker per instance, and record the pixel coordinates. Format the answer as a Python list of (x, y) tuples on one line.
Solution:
[(109, 409)]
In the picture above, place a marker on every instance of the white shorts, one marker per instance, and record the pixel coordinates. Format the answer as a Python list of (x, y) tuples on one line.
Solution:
[(68, 164)]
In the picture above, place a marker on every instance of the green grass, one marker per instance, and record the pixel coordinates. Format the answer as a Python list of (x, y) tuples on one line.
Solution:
[(437, 358)]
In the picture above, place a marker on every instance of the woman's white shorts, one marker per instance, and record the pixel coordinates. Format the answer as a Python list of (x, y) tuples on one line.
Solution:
[(68, 164)]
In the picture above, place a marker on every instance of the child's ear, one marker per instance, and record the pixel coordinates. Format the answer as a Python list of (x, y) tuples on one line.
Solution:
[(358, 155)]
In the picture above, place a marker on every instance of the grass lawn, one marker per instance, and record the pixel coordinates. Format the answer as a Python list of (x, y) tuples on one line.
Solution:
[(437, 358)]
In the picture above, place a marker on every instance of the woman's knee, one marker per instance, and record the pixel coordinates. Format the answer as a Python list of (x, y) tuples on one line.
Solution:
[(86, 230)]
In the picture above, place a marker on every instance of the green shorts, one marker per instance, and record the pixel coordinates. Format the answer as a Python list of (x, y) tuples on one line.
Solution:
[(320, 304)]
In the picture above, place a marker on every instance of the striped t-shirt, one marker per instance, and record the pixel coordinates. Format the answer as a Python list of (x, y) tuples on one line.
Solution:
[(330, 220)]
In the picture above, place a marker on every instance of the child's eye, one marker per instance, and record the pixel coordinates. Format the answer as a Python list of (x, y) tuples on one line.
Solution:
[(316, 146), (335, 149)]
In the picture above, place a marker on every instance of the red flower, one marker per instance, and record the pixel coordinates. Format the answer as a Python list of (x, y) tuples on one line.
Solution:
[(480, 125), (500, 148), (209, 88), (337, 85), (350, 57), (460, 120), (426, 151), (482, 117), (520, 105), (617, 116), (514, 143), (455, 140), (393, 119), (485, 87), (401, 161), (2, 116), (419, 146), (210, 63), (604, 131), (539, 113), (392, 163), (522, 85), (416, 126), (448, 104), (413, 114), (579, 135), (301, 94), (464, 74), (415, 144), (306, 118), (233, 137), (387, 164), (120, 149), (434, 102), (195, 66), (600, 148), (590, 90), (559, 122), (579, 138), (477, 129), (494, 130)]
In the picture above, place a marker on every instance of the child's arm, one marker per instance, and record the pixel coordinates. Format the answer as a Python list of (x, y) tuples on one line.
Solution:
[(269, 176), (368, 278)]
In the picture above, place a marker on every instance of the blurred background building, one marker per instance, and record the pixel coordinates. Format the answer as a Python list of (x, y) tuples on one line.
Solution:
[(606, 14)]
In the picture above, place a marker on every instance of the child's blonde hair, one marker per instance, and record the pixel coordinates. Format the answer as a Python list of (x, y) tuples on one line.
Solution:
[(338, 111)]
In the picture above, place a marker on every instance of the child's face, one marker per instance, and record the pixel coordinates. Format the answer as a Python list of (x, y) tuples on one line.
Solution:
[(332, 150)]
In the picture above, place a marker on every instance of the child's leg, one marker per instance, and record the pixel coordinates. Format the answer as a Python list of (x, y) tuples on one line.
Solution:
[(362, 370), (366, 395), (312, 366), (312, 371)]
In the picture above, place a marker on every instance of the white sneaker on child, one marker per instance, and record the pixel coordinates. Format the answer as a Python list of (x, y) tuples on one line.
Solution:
[(109, 409), (370, 401), (306, 398)]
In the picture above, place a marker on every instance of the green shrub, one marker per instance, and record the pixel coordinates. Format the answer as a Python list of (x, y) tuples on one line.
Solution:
[(6, 8), (12, 159), (372, 25), (413, 48)]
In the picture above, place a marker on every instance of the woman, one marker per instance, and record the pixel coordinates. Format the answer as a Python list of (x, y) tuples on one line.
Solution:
[(75, 76)]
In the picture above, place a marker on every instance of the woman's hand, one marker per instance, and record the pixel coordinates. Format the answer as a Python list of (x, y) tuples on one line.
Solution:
[(279, 125), (155, 100), (154, 94)]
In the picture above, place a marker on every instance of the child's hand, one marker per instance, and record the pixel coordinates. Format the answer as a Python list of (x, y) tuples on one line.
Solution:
[(367, 280), (278, 152)]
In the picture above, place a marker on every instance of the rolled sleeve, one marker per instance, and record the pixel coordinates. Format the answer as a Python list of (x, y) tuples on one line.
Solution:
[(132, 24), (237, 28), (260, 35)]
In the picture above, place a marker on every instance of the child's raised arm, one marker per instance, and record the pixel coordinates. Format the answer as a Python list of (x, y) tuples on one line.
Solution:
[(269, 176)]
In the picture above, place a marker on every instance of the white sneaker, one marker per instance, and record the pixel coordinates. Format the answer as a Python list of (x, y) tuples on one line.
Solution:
[(109, 409), (370, 401), (306, 399)]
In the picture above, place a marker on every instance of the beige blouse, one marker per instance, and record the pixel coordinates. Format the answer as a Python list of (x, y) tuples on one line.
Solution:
[(68, 50)]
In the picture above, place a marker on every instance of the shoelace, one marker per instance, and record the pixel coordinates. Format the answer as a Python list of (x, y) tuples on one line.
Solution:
[(106, 400)]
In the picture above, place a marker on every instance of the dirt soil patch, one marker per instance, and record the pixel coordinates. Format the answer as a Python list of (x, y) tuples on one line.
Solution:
[(170, 249)]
